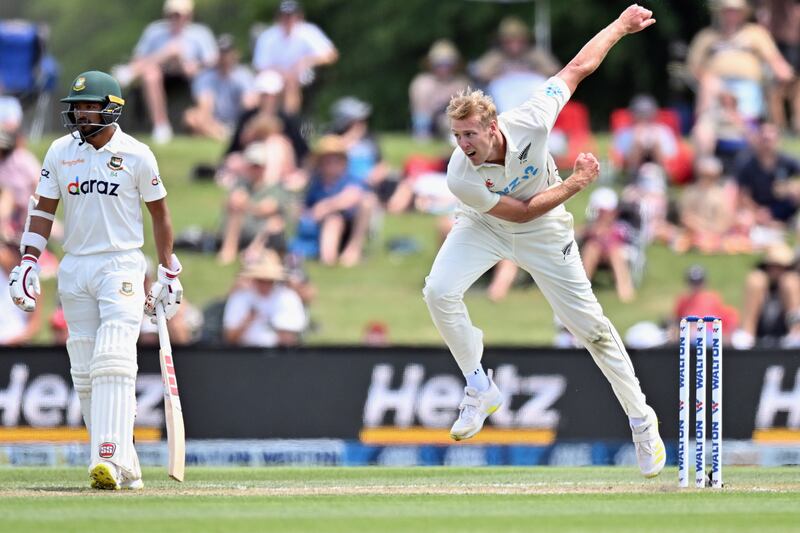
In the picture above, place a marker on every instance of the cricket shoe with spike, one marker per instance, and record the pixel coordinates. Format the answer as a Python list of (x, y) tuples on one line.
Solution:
[(474, 408), (104, 476), (650, 452)]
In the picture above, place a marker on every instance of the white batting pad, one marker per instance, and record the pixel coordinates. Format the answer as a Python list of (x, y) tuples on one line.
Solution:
[(80, 350), (115, 352), (113, 413)]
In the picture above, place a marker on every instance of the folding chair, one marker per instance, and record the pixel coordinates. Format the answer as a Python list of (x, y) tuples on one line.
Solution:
[(25, 70)]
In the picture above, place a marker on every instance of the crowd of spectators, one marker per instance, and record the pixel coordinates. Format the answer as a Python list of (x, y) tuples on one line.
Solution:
[(295, 191)]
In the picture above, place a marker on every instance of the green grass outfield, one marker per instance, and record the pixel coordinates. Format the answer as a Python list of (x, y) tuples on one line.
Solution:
[(401, 499)]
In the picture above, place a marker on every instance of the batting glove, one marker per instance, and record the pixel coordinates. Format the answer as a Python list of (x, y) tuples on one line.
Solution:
[(23, 283), (167, 290)]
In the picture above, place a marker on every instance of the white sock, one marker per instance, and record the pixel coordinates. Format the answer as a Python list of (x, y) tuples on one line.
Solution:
[(477, 379)]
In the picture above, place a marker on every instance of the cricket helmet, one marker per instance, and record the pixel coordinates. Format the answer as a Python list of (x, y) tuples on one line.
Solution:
[(98, 87)]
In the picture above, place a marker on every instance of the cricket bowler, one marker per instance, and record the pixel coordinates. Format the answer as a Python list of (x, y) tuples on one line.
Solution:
[(101, 174), (512, 207)]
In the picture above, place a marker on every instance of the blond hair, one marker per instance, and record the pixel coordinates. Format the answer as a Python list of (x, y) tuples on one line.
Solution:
[(467, 103)]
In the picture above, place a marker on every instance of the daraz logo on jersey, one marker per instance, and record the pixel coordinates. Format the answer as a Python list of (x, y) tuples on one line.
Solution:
[(92, 186)]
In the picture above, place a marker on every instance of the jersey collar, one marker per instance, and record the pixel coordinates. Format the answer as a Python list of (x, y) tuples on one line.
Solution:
[(113, 145)]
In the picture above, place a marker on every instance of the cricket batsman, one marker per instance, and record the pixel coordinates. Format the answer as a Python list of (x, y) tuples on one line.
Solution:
[(101, 174), (512, 207)]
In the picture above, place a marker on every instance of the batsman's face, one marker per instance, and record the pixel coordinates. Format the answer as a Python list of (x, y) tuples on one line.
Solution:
[(87, 115), (474, 138)]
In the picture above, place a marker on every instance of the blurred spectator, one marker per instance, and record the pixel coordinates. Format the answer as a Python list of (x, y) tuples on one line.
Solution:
[(173, 46), (221, 94), (722, 130), (19, 175), (255, 207), (782, 19), (269, 86), (646, 335), (58, 326), (338, 208), (10, 112), (263, 311), (604, 241), (376, 334), (767, 189), (647, 194), (424, 186), (293, 47), (430, 91), (771, 312), (646, 139), (708, 213), (364, 161), (16, 327), (514, 68), (184, 328), (699, 300), (732, 54), (297, 278)]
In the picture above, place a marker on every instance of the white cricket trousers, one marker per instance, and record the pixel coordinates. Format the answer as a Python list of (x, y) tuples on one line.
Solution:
[(549, 253), (103, 297)]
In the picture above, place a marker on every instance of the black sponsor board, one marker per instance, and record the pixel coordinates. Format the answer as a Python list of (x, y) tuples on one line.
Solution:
[(337, 392)]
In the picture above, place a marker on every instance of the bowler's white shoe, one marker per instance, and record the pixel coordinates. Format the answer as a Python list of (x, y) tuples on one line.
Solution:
[(475, 407), (650, 451), (104, 476)]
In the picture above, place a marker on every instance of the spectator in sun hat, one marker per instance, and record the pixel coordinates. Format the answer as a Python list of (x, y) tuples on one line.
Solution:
[(172, 46), (515, 68), (735, 54), (221, 94), (430, 91), (262, 310), (294, 48), (338, 207), (771, 309)]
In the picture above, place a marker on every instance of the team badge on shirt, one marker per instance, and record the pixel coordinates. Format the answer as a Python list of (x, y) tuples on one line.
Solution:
[(523, 155), (127, 288), (80, 84), (115, 163), (489, 183)]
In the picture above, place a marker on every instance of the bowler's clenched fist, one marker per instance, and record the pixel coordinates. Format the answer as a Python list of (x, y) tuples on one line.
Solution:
[(636, 18), (586, 170)]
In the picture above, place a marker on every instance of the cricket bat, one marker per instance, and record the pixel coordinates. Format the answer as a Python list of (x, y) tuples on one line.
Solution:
[(176, 439)]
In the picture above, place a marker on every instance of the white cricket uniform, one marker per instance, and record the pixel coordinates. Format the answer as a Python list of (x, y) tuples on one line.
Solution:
[(545, 247), (101, 278)]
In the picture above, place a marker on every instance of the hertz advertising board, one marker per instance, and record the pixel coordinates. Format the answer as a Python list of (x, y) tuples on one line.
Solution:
[(395, 395)]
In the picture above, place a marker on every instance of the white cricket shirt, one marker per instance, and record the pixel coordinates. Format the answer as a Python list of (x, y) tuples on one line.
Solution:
[(529, 168), (101, 191), (280, 310)]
